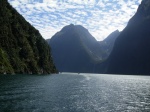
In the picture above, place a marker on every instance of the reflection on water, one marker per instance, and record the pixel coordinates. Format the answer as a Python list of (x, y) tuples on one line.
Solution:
[(75, 93)]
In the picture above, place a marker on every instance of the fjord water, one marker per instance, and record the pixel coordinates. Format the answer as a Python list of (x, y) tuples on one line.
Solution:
[(70, 92)]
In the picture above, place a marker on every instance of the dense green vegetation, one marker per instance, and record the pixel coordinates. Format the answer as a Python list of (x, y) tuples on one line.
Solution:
[(22, 48)]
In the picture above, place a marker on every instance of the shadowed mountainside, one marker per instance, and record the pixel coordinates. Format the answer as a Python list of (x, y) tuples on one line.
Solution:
[(74, 49), (131, 53)]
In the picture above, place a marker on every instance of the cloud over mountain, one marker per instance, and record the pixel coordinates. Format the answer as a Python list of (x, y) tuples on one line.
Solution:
[(101, 17)]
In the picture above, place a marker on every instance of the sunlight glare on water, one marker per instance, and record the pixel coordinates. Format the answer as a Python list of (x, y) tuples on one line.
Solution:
[(75, 93)]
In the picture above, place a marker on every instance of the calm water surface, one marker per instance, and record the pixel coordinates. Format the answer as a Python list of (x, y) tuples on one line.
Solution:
[(74, 93)]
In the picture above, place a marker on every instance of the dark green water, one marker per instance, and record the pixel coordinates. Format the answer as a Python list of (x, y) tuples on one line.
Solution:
[(74, 93)]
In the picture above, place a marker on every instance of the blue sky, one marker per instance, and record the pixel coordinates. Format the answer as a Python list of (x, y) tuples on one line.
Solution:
[(100, 17)]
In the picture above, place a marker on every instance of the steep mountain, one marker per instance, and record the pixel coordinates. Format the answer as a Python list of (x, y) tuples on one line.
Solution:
[(131, 53), (74, 49), (108, 43), (22, 48)]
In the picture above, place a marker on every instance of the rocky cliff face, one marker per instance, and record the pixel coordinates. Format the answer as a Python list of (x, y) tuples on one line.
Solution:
[(22, 48), (132, 48)]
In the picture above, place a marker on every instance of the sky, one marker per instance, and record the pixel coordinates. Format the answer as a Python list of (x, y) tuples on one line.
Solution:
[(100, 17)]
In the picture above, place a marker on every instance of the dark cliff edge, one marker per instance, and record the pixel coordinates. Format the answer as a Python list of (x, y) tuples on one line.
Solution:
[(131, 53), (22, 48)]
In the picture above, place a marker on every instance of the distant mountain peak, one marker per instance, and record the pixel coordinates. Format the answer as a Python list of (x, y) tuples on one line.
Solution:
[(117, 30), (74, 49), (76, 29), (71, 24), (70, 29), (113, 34), (67, 28)]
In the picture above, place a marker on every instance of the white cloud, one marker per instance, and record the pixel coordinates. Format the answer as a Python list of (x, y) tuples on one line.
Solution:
[(100, 17)]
